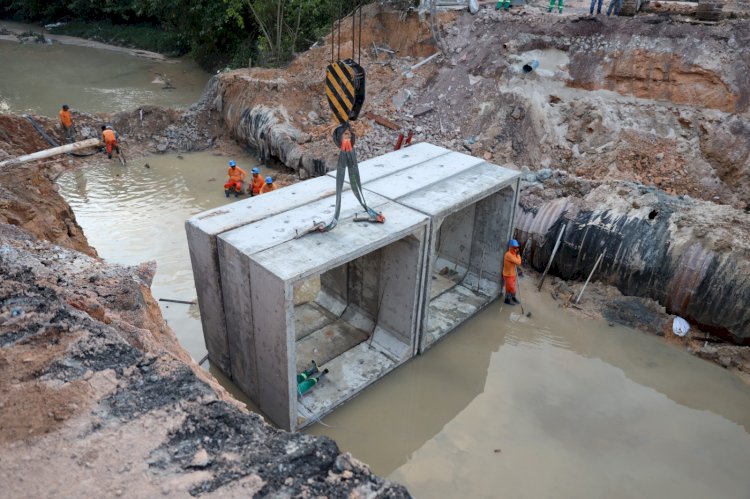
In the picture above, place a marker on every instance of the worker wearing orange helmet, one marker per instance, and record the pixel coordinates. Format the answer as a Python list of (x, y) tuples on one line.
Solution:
[(236, 176), (109, 136), (66, 120), (257, 182), (269, 186), (511, 260)]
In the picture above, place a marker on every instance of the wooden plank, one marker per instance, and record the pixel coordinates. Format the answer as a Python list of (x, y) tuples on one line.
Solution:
[(382, 121)]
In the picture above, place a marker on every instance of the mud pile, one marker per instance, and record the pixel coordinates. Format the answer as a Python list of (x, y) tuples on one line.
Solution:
[(97, 398)]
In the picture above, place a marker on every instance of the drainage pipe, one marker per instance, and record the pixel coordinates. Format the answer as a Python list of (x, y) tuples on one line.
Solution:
[(46, 153), (693, 257), (530, 66)]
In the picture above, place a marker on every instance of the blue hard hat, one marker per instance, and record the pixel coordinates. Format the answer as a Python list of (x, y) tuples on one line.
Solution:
[(514, 243), (232, 163), (256, 170), (269, 180)]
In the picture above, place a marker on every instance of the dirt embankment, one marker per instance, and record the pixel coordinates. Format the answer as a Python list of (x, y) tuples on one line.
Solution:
[(647, 99)]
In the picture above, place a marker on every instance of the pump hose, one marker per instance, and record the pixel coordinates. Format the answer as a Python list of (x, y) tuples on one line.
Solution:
[(52, 141)]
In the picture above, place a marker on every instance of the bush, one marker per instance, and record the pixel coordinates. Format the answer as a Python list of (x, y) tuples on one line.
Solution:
[(141, 36)]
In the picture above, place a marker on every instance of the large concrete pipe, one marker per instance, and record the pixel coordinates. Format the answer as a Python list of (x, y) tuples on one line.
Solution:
[(693, 257)]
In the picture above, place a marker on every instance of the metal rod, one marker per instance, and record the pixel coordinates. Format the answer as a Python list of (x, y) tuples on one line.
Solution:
[(591, 274), (549, 264), (204, 359), (178, 301)]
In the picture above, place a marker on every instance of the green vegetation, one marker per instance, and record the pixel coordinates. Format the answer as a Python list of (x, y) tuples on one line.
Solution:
[(216, 33), (141, 36)]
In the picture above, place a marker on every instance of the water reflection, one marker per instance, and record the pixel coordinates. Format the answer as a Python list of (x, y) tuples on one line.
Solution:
[(90, 80)]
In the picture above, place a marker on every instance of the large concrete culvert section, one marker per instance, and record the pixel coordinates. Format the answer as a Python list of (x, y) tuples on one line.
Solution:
[(359, 300), (693, 257)]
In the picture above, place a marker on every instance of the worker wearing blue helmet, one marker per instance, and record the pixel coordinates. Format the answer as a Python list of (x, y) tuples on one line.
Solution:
[(511, 261), (269, 186), (257, 182)]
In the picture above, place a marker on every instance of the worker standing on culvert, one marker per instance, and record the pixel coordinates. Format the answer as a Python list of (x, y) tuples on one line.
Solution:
[(511, 260), (269, 186), (236, 176), (109, 136), (66, 120), (257, 182)]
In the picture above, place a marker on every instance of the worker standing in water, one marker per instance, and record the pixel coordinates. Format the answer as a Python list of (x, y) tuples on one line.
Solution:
[(66, 120), (109, 136), (511, 260), (269, 186), (236, 178), (257, 182)]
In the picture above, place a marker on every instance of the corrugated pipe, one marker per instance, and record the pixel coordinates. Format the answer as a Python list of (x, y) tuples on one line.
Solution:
[(656, 251)]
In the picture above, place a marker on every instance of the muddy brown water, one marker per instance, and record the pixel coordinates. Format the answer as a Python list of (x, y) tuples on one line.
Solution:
[(39, 78), (551, 405)]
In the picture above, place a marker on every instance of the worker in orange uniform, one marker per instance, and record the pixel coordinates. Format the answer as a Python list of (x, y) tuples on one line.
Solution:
[(269, 186), (66, 120), (257, 182), (236, 176), (511, 260), (109, 137)]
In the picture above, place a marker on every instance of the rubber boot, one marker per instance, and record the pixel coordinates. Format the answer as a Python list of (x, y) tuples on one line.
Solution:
[(508, 300), (226, 192), (514, 299)]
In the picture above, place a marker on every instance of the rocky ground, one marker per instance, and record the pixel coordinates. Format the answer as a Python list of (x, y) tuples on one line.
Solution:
[(96, 394)]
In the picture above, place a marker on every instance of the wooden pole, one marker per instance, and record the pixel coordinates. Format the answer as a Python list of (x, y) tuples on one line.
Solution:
[(591, 274), (554, 250), (46, 153)]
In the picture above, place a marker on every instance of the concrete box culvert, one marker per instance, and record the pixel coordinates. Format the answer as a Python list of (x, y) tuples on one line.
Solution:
[(360, 322), (202, 230), (471, 207)]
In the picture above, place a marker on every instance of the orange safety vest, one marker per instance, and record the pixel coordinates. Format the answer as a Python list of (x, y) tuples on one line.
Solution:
[(268, 188), (236, 174), (65, 118), (258, 183), (109, 136), (510, 261)]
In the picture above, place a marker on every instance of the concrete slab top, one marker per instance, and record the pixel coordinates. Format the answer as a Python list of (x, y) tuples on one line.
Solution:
[(435, 171), (317, 252), (279, 228), (247, 211), (394, 161), (451, 194)]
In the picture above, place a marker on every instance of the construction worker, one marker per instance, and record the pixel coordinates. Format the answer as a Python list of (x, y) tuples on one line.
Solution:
[(616, 5), (109, 136), (268, 186), (236, 176), (66, 121), (552, 6), (504, 5), (257, 182), (511, 260)]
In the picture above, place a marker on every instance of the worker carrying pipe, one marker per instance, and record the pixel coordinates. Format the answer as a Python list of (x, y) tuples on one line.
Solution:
[(511, 260), (235, 177)]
